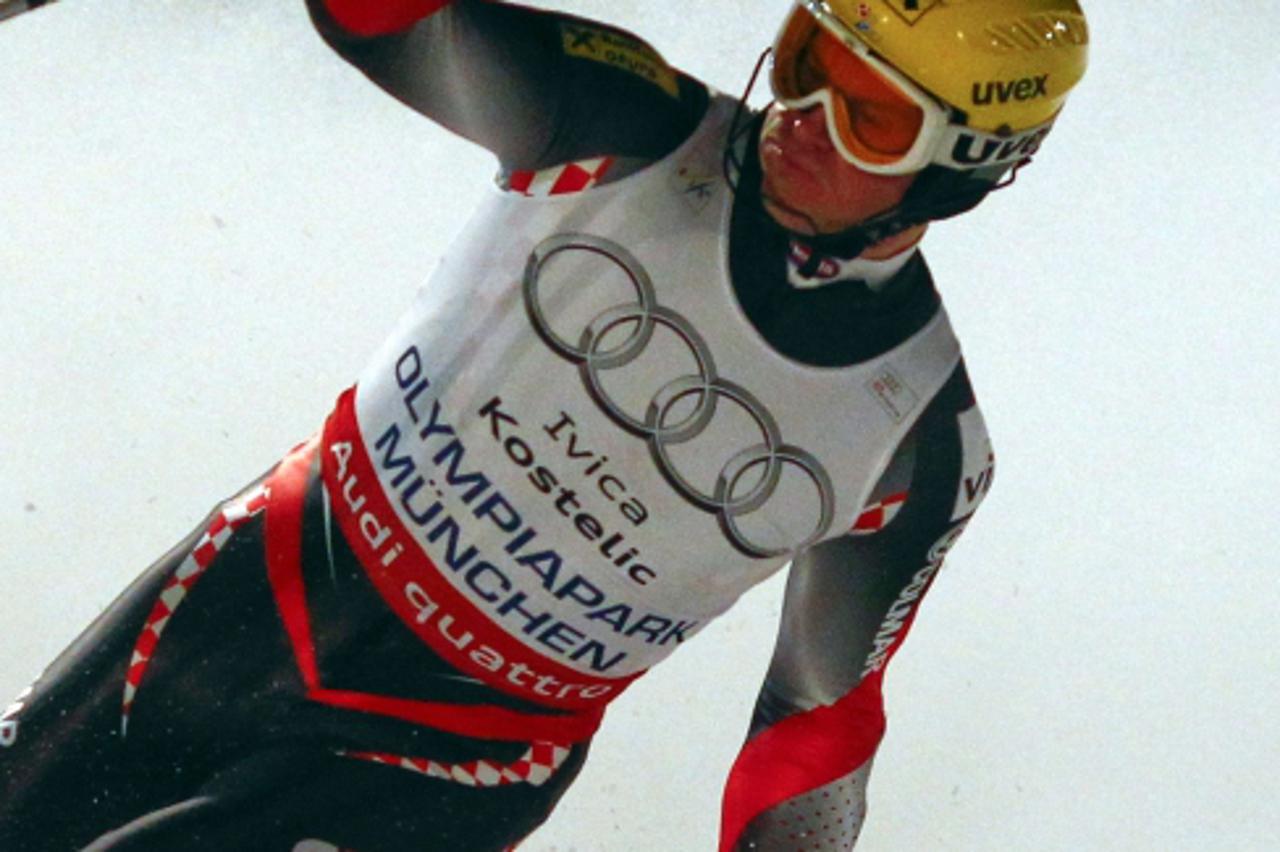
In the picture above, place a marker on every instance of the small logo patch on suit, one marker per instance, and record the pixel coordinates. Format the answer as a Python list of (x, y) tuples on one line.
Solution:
[(894, 395), (696, 186), (615, 49)]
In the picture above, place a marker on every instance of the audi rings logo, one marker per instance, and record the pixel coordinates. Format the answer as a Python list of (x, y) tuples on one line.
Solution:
[(683, 408)]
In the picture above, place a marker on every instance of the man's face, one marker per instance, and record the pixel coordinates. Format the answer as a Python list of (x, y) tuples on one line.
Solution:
[(803, 173)]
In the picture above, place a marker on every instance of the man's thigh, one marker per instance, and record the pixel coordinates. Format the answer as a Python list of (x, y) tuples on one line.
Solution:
[(77, 757), (274, 801), (179, 720)]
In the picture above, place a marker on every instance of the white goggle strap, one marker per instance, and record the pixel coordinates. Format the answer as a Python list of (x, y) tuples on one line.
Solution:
[(965, 148)]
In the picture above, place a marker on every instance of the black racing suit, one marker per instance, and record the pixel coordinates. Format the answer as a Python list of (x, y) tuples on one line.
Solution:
[(184, 718)]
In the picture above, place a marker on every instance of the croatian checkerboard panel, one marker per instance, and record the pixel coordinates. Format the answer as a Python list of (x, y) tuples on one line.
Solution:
[(231, 517), (876, 516), (535, 766), (560, 180)]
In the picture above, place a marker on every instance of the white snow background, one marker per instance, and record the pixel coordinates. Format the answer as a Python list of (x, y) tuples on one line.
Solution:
[(208, 221)]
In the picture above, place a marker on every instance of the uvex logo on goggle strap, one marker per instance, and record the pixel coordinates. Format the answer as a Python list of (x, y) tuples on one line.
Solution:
[(752, 474), (970, 148)]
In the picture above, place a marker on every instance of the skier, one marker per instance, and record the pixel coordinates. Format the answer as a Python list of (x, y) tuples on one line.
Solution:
[(682, 346)]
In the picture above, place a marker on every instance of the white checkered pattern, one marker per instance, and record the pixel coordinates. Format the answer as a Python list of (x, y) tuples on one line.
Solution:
[(876, 516), (560, 180), (535, 766), (232, 516)]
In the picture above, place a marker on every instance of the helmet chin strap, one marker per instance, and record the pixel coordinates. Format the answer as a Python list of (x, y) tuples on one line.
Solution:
[(854, 240)]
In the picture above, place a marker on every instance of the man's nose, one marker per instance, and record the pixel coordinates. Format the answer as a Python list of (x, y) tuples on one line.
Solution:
[(809, 124)]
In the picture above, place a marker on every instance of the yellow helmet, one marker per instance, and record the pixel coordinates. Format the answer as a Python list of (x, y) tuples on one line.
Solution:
[(1007, 65), (1004, 64), (962, 91)]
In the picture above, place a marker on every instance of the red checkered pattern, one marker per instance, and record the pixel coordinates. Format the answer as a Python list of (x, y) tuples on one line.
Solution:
[(233, 516), (828, 269), (560, 180), (878, 515), (535, 767)]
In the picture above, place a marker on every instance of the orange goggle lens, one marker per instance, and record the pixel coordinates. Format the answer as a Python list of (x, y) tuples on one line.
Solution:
[(877, 121)]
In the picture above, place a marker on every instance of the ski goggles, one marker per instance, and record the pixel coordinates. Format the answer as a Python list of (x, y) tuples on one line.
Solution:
[(878, 119)]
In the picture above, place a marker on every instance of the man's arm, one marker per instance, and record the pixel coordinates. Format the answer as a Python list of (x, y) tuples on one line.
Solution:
[(801, 777), (537, 88)]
